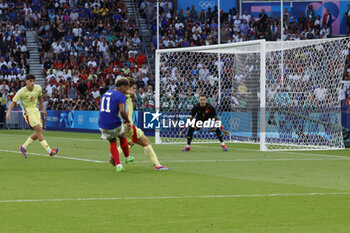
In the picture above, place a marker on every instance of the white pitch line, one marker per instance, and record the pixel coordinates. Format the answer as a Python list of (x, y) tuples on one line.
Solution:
[(60, 138), (177, 197), (56, 156), (188, 161), (201, 146), (249, 160)]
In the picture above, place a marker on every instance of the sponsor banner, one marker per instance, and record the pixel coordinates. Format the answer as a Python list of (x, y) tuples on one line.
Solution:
[(77, 120), (239, 124), (72, 120)]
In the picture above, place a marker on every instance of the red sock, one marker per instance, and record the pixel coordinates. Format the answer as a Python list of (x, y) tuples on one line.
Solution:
[(125, 146), (114, 152)]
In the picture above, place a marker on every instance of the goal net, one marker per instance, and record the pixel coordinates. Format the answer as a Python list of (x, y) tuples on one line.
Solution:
[(284, 96)]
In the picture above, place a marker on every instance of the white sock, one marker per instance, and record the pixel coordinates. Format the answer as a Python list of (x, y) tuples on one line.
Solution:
[(188, 145), (158, 165), (119, 165), (223, 144)]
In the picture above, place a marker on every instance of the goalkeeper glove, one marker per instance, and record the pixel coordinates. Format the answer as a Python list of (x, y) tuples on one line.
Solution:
[(225, 131), (183, 131)]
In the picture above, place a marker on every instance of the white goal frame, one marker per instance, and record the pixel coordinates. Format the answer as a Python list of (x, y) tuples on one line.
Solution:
[(256, 46), (262, 51)]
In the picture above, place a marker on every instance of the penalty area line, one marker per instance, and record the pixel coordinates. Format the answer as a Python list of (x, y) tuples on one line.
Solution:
[(177, 197)]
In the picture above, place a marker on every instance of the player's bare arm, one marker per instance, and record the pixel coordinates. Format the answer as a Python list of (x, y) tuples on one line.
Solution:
[(131, 93), (41, 102), (8, 114), (124, 115)]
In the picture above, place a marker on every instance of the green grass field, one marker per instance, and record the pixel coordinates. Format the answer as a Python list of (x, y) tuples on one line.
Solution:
[(207, 190)]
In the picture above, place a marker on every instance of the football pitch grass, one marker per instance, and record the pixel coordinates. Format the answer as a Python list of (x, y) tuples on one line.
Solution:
[(206, 190)]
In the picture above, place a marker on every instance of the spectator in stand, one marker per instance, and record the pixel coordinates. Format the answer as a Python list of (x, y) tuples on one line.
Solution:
[(21, 75), (151, 82), (103, 89), (347, 102), (139, 100), (82, 88), (8, 101), (237, 23), (27, 18), (310, 13), (347, 16), (310, 35), (286, 15), (36, 19), (263, 19), (147, 107), (95, 93), (325, 32), (72, 90), (141, 58), (318, 23), (140, 83), (327, 19), (246, 16)]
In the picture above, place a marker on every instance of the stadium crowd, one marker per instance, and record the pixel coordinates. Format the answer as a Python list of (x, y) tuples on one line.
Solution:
[(189, 27), (85, 45), (14, 51)]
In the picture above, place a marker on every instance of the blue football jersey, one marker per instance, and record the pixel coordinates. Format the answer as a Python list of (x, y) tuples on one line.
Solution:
[(109, 110)]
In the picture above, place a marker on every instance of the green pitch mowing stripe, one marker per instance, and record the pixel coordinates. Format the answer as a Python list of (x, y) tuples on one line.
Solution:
[(177, 197), (302, 214), (189, 161), (243, 190)]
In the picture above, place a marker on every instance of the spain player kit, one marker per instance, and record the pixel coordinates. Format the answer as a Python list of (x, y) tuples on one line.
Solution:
[(29, 102), (134, 133)]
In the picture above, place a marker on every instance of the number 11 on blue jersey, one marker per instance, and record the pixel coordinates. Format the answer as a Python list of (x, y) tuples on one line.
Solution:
[(107, 109)]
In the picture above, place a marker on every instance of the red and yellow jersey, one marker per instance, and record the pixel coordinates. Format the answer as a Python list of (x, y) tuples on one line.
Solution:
[(129, 107)]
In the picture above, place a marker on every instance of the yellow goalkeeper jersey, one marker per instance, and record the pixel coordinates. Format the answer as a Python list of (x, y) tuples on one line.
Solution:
[(28, 98)]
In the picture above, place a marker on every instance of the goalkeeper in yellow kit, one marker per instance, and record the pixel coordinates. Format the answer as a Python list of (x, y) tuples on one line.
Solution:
[(136, 135), (29, 96)]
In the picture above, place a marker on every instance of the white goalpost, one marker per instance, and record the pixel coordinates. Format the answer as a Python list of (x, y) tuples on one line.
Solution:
[(243, 81)]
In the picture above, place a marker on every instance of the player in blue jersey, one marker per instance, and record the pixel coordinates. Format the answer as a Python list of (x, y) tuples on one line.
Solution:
[(110, 124)]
